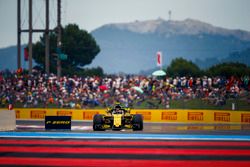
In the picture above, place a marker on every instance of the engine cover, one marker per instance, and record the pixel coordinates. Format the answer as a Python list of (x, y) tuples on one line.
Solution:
[(117, 120)]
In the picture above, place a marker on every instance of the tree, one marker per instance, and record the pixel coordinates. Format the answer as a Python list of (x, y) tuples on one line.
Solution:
[(229, 69), (78, 44), (182, 67), (98, 71)]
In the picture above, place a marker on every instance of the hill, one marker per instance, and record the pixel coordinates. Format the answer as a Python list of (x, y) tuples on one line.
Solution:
[(8, 58), (131, 47)]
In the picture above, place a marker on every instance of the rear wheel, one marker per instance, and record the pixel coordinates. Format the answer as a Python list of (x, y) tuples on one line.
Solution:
[(98, 123), (137, 122)]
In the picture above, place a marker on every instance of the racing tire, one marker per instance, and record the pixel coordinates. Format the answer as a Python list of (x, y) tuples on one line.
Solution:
[(137, 122), (98, 123)]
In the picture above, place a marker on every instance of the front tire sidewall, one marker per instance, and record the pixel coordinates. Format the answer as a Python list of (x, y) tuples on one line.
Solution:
[(98, 122), (137, 122)]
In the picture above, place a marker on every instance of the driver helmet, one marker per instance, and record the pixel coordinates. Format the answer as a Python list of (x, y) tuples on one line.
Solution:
[(118, 108)]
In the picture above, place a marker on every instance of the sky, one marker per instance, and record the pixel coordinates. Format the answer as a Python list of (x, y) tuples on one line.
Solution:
[(91, 14)]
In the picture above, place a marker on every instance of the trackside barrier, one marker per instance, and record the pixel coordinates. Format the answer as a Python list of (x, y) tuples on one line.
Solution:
[(7, 120), (174, 116)]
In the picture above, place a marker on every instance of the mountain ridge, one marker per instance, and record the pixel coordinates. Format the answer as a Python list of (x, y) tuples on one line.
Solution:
[(186, 27), (136, 43), (131, 47)]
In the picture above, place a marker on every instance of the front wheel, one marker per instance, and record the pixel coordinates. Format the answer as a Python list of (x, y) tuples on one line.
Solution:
[(137, 122), (98, 123)]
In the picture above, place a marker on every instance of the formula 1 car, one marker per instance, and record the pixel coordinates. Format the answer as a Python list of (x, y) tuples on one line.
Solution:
[(117, 118)]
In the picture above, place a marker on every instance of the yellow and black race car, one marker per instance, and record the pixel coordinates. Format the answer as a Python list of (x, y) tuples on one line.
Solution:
[(117, 118)]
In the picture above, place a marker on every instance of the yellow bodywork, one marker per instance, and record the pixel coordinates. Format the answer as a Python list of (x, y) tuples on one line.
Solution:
[(117, 120)]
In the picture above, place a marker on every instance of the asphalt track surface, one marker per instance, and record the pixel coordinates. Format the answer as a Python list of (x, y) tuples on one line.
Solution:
[(149, 128), (222, 146)]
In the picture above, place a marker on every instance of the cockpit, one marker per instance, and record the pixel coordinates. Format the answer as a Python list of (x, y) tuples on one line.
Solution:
[(118, 110)]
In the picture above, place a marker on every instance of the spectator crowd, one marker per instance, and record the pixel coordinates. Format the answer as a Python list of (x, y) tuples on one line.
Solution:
[(42, 90)]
